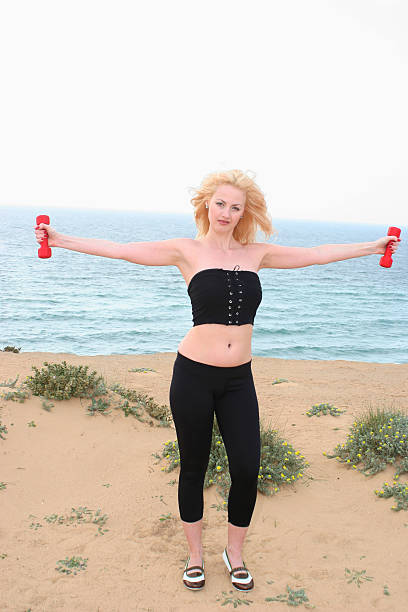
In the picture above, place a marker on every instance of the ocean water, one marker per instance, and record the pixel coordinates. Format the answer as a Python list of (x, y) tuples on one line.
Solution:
[(76, 303)]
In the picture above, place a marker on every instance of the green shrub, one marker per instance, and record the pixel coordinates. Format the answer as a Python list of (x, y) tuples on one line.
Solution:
[(72, 565), (398, 490), (376, 439), (280, 463), (291, 597), (10, 383), (61, 381), (318, 409), (160, 413), (11, 349), (19, 395), (3, 430)]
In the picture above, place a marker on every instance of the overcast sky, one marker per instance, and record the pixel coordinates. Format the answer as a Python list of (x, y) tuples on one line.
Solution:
[(127, 104)]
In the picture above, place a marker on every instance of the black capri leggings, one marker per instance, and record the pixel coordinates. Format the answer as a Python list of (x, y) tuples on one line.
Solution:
[(198, 390)]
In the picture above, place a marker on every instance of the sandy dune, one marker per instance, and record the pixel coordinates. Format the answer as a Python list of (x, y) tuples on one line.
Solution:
[(304, 537)]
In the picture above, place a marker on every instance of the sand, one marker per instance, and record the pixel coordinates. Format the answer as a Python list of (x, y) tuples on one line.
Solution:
[(304, 537)]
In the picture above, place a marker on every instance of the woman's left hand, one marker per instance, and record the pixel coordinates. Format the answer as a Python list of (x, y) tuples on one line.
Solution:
[(381, 244)]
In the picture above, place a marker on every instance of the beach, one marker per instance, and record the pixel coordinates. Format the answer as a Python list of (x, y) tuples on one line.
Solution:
[(305, 536)]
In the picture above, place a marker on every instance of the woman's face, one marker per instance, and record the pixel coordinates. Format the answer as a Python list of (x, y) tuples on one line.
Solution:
[(227, 204)]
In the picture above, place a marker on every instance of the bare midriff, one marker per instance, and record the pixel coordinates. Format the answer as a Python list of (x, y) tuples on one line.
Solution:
[(219, 345), (212, 343)]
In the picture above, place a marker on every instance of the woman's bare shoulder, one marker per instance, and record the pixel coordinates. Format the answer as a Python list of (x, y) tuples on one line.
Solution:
[(187, 246), (258, 251), (255, 248)]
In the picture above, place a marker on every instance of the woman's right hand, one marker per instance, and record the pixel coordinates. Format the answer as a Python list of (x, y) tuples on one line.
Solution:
[(40, 234)]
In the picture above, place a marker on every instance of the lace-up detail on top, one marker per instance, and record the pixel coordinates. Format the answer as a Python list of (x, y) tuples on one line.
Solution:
[(227, 297)]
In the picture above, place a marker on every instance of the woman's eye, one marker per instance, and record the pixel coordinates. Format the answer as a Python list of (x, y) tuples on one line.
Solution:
[(234, 207)]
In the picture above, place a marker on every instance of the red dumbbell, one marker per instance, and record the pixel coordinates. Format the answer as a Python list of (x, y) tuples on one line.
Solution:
[(386, 259), (44, 251)]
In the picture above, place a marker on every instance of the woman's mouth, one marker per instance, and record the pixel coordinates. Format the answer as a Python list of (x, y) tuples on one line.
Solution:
[(224, 222)]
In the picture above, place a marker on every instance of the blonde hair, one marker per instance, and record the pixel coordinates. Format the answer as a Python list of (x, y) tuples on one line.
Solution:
[(255, 215)]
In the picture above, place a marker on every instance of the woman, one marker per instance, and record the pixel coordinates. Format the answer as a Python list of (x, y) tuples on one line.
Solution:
[(212, 371)]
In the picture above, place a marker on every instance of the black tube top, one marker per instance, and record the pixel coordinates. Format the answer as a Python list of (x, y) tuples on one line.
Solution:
[(227, 297)]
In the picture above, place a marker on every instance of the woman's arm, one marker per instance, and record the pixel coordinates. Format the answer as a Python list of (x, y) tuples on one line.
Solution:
[(159, 253), (276, 256), (327, 253), (154, 253), (90, 246)]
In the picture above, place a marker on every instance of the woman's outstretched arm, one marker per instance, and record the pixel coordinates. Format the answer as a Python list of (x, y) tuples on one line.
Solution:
[(159, 253), (327, 253), (276, 256)]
